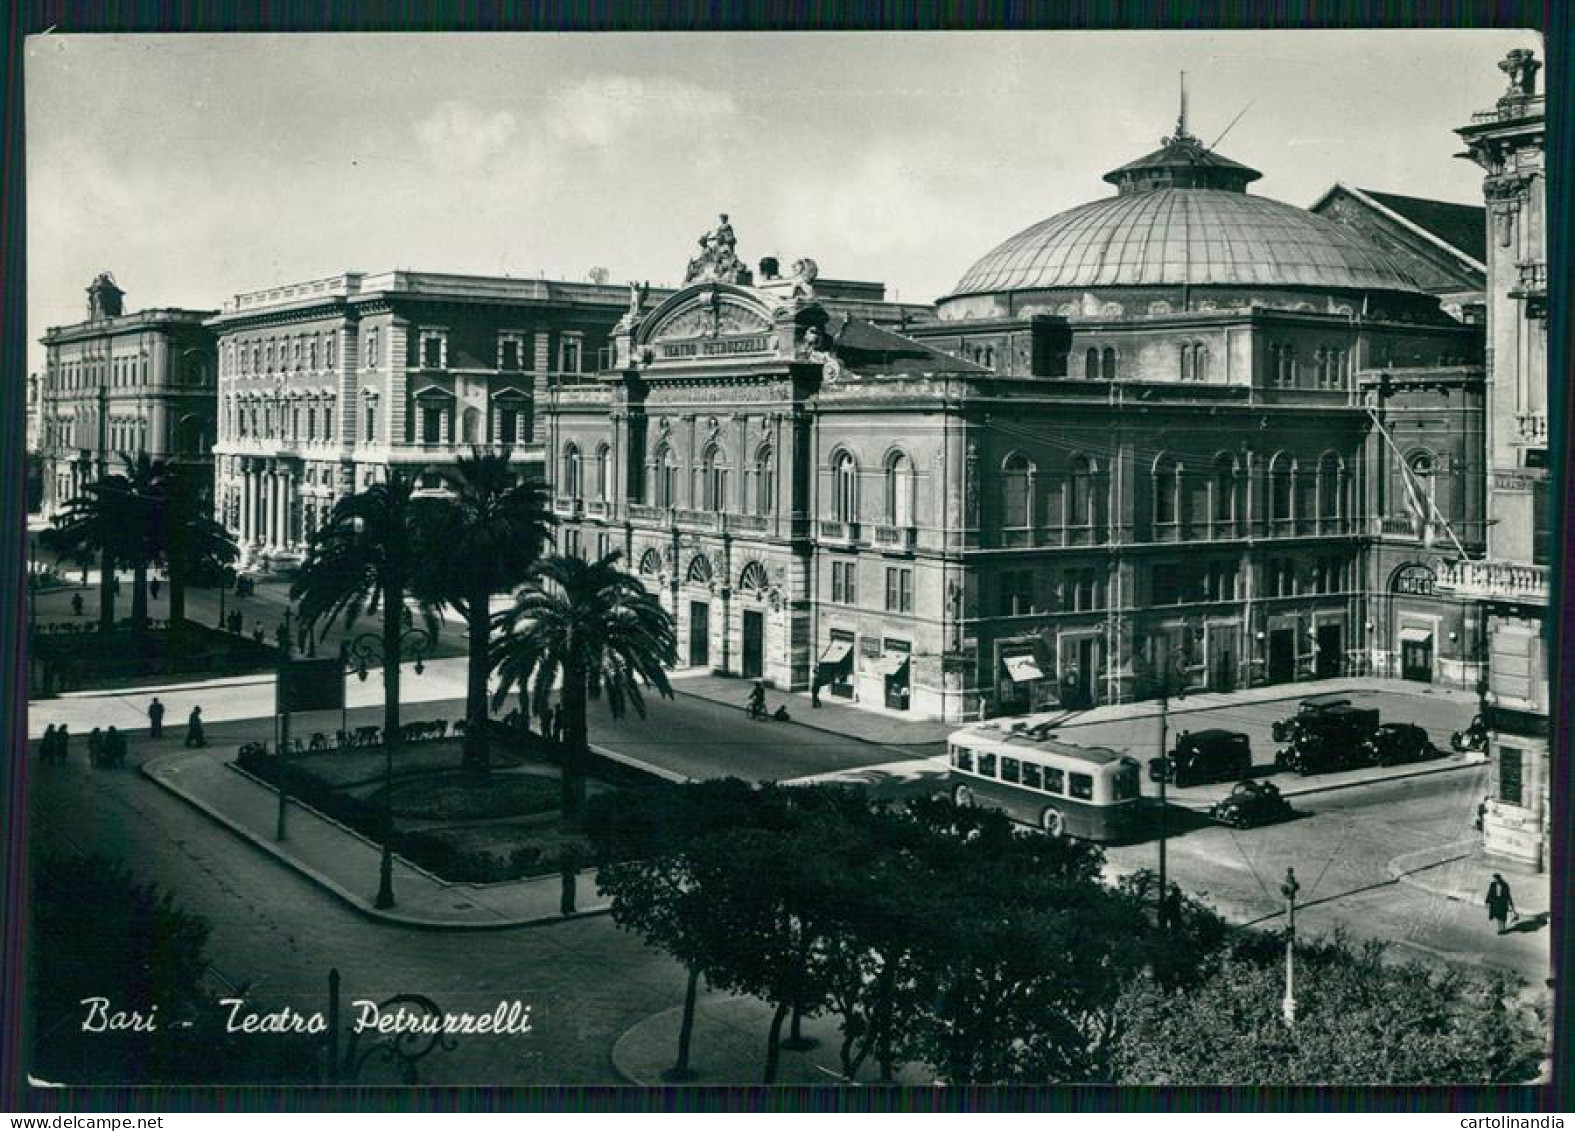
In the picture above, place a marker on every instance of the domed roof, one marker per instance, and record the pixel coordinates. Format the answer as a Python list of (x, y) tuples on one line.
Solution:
[(1183, 216)]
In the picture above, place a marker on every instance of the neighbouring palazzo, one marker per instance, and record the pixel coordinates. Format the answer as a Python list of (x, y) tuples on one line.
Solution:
[(1511, 584), (1163, 430), (119, 384), (325, 385)]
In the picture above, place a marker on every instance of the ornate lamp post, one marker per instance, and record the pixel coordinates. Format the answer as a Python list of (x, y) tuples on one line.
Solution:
[(1288, 889), (1161, 769), (359, 656)]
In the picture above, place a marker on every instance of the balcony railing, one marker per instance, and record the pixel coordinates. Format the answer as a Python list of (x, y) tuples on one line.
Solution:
[(895, 537), (833, 531), (568, 506), (1506, 581), (749, 523), (597, 508), (1397, 527), (1532, 426), (650, 513), (697, 520)]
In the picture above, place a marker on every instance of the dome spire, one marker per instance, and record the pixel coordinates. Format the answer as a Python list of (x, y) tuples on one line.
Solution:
[(1181, 119)]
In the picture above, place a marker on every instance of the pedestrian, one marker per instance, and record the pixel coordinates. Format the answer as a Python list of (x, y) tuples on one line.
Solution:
[(84, 577), (76, 604), (46, 745), (281, 637), (153, 588), (96, 750), (258, 633), (194, 735), (756, 708), (814, 688), (114, 747), (63, 743), (781, 714), (155, 718), (1500, 903), (115, 585), (235, 622)]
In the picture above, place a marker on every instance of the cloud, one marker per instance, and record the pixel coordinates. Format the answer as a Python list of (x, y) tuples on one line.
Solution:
[(457, 134), (600, 113)]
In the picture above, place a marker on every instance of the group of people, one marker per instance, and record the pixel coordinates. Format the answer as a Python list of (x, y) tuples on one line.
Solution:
[(108, 746)]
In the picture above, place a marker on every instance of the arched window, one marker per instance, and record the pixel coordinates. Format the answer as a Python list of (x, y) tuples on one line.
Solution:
[(899, 489), (1200, 361), (753, 578), (664, 477), (1080, 493), (713, 479), (1167, 490), (1281, 479), (1107, 364), (765, 482), (571, 470), (1186, 350), (1017, 496), (1331, 487), (651, 563), (470, 425), (1091, 364), (1422, 467), (1224, 489), (844, 488), (603, 483), (699, 571)]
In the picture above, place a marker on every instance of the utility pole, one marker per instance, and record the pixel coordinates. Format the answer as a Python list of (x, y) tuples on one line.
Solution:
[(1167, 767), (1289, 889)]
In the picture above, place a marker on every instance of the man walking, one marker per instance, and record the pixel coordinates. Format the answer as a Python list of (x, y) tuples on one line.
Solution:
[(194, 735), (155, 718), (814, 688), (1500, 903), (76, 604)]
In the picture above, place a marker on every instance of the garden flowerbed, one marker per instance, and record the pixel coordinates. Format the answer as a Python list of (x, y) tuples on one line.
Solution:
[(460, 796)]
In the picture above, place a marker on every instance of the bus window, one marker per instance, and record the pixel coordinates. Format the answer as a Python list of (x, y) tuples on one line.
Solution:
[(986, 765), (1124, 784), (1054, 780), (962, 757), (1032, 778), (1082, 787), (1011, 769)]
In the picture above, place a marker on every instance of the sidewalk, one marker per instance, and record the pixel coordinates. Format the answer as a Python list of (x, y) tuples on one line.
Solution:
[(833, 716), (1461, 873), (347, 864)]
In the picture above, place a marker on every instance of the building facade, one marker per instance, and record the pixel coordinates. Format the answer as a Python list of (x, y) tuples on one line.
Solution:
[(324, 385), (120, 383), (1161, 430), (1511, 584)]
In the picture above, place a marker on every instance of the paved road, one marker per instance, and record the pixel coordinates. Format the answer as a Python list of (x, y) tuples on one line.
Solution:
[(586, 981)]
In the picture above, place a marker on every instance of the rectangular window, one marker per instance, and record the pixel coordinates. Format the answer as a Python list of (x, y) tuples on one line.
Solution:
[(1033, 778), (1541, 536), (571, 350), (1081, 590), (601, 545), (431, 426), (987, 765), (1011, 770), (1509, 775), (1055, 780), (899, 590), (844, 583), (329, 351), (509, 353), (371, 349), (371, 421), (1082, 787), (962, 758), (1017, 592), (571, 543), (508, 426), (432, 352)]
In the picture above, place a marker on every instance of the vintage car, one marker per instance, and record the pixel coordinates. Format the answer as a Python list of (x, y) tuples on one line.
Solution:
[(1210, 755), (1285, 729), (1335, 738), (1474, 737), (1251, 803), (1396, 743)]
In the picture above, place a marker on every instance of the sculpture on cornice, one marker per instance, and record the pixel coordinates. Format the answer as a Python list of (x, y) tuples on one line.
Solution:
[(1521, 66), (637, 297), (718, 259), (805, 272)]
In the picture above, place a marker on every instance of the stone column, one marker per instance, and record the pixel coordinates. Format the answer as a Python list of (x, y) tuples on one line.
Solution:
[(289, 507), (245, 478)]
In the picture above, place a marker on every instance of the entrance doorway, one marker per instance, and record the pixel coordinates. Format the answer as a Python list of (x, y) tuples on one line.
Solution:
[(1331, 648), (1083, 675), (754, 644), (699, 634), (1282, 655), (1416, 655)]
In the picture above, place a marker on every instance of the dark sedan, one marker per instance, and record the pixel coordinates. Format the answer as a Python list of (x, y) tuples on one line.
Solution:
[(1394, 744), (1250, 804)]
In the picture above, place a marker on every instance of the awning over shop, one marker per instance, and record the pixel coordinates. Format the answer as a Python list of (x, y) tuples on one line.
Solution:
[(891, 664), (1413, 635), (1023, 669), (836, 653)]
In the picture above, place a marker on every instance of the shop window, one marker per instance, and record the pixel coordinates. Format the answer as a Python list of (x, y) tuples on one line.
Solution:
[(1510, 769)]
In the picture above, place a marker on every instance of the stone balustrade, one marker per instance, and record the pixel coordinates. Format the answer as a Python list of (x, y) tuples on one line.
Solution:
[(1510, 581)]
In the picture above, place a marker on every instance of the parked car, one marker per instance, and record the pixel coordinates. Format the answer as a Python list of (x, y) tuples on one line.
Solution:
[(1251, 803), (1474, 737), (1210, 755), (1396, 743), (1332, 738), (1285, 729)]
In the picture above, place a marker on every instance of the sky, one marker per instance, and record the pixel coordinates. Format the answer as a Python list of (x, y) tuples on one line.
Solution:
[(194, 167)]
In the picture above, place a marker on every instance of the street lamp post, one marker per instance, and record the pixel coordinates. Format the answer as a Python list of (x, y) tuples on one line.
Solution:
[(360, 654), (1288, 889)]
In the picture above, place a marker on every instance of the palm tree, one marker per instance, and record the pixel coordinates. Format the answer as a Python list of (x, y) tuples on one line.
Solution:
[(596, 629), (120, 518), (360, 561), (198, 546), (480, 540), (86, 529)]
